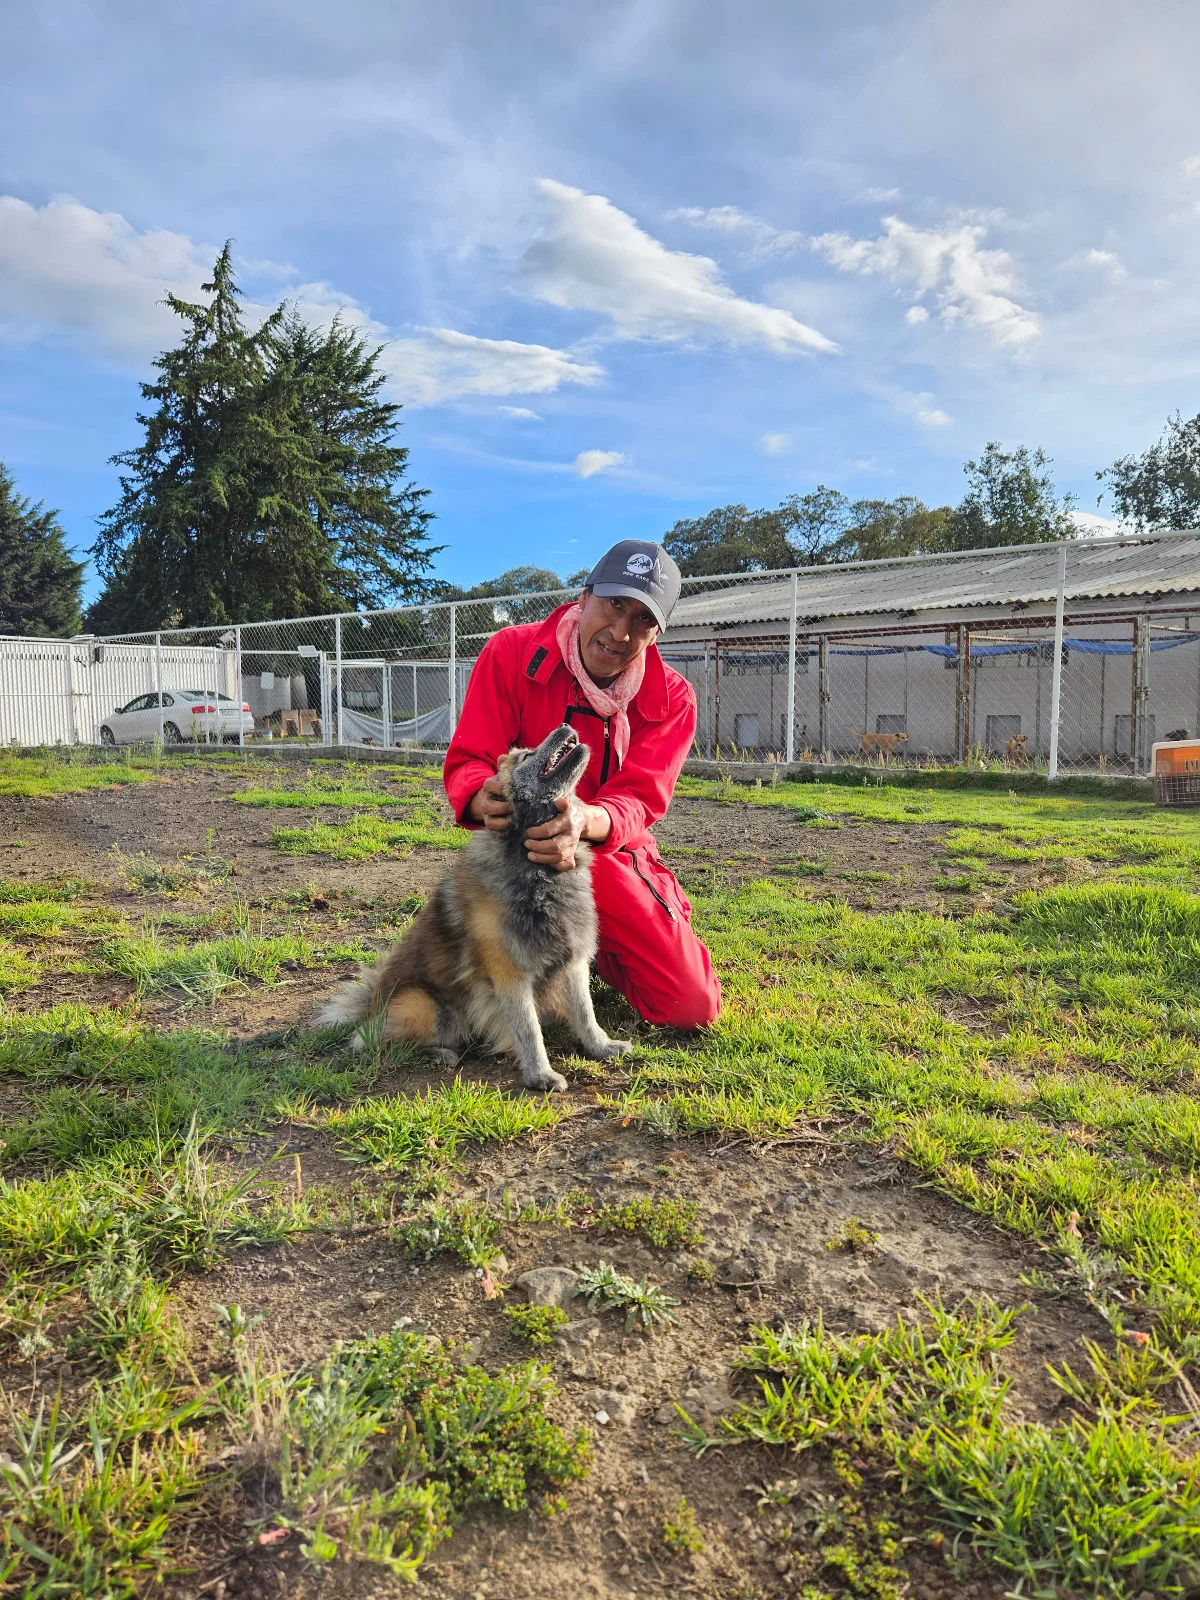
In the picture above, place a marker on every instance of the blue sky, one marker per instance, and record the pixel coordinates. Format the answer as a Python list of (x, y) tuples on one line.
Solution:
[(631, 260)]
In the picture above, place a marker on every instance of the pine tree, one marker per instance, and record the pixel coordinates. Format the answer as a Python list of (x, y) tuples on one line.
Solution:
[(39, 583), (267, 483)]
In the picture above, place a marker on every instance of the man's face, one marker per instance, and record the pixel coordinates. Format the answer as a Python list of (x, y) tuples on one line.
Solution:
[(613, 631)]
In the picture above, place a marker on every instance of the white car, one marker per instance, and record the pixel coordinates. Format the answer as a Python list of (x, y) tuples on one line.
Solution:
[(188, 716)]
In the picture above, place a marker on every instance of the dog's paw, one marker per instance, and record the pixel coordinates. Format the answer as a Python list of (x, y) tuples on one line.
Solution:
[(448, 1058), (612, 1048), (546, 1081)]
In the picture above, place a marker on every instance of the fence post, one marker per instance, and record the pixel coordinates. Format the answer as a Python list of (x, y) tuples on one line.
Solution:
[(708, 723), (68, 666), (237, 671), (1056, 671), (158, 682), (1139, 731), (337, 675), (386, 705), (453, 672), (962, 702), (823, 695), (717, 700), (790, 748)]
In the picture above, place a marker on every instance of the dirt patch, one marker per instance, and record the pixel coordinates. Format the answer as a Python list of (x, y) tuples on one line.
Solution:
[(873, 866), (79, 836), (767, 1214), (767, 1219)]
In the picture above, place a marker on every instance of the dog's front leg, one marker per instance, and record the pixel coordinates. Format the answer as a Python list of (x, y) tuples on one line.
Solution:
[(588, 1031), (520, 1013)]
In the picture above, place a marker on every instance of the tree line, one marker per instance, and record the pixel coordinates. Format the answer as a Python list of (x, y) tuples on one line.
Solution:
[(269, 483)]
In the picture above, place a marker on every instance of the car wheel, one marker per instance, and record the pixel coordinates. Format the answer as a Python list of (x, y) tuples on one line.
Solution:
[(171, 734), (107, 736)]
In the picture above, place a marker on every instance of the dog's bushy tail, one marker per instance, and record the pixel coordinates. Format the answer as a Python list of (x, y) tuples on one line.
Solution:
[(352, 1002)]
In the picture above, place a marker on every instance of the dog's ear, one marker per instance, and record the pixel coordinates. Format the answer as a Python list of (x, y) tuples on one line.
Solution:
[(506, 764)]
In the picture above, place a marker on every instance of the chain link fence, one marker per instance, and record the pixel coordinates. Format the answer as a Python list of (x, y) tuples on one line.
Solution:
[(1071, 658)]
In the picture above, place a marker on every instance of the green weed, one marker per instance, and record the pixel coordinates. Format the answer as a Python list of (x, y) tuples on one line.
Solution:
[(406, 1130), (855, 1237), (603, 1288), (446, 1227), (1102, 1506), (189, 872), (669, 1224), (206, 969), (42, 774), (384, 1446), (538, 1324), (681, 1535), (366, 836)]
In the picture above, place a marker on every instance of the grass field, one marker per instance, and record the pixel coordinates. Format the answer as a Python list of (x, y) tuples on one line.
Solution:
[(889, 1284)]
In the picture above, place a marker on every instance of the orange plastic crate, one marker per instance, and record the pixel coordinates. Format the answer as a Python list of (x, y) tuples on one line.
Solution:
[(1176, 769)]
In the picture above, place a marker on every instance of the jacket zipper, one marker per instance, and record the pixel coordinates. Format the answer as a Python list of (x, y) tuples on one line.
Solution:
[(669, 909), (586, 711)]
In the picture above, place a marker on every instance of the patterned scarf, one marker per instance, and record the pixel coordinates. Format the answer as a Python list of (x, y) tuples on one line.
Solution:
[(612, 701)]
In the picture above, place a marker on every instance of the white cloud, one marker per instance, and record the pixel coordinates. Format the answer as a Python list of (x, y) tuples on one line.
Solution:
[(68, 270), (65, 268), (590, 463), (920, 407), (1090, 522), (931, 417), (766, 239), (880, 197), (592, 257), (1099, 260), (520, 413), (972, 285), (916, 315), (1191, 167), (440, 364), (775, 444)]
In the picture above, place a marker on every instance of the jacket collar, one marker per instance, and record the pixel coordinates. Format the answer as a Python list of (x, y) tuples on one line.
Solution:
[(543, 659)]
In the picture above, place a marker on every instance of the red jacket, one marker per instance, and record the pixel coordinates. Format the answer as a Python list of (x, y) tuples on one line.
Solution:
[(522, 689)]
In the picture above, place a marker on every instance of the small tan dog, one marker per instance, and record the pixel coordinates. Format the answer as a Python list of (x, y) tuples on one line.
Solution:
[(1015, 750), (883, 744)]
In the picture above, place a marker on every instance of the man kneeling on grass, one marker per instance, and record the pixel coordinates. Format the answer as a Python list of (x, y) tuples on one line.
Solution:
[(594, 664)]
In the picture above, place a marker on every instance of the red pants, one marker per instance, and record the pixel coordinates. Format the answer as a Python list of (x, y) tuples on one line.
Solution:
[(648, 951)]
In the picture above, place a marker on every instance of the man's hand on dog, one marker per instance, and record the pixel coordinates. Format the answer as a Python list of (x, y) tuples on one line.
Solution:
[(491, 806), (551, 844)]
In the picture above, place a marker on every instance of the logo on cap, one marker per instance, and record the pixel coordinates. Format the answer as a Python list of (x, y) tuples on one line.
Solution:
[(639, 565)]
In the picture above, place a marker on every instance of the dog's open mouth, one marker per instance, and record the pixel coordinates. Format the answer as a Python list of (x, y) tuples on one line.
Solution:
[(560, 753)]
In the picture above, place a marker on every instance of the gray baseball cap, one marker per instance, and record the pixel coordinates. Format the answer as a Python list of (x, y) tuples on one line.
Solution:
[(641, 570)]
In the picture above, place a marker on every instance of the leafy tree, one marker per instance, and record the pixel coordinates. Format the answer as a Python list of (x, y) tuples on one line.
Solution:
[(813, 529), (1010, 499), (881, 530), (39, 583), (729, 539), (267, 484), (1160, 488), (517, 580)]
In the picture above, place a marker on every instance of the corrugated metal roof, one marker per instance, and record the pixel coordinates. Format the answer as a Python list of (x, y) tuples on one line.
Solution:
[(1096, 570)]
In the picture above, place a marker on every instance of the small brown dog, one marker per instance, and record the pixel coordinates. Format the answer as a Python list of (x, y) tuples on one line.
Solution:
[(1014, 750), (883, 744)]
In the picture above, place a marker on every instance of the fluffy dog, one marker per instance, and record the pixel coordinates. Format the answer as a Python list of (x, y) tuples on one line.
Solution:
[(502, 943)]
